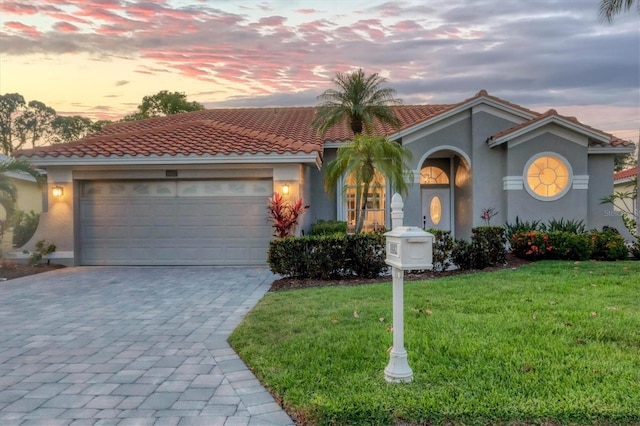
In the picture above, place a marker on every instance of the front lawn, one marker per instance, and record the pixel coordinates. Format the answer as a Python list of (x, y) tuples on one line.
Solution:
[(551, 342)]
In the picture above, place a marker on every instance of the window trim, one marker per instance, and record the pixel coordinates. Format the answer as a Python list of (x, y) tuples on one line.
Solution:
[(536, 157)]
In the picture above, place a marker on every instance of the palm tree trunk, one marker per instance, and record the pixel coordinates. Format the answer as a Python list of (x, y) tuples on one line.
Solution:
[(363, 209)]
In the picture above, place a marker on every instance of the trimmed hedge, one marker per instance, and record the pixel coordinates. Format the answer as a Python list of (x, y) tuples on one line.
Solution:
[(487, 248), (443, 245), (563, 245), (328, 256), (328, 227)]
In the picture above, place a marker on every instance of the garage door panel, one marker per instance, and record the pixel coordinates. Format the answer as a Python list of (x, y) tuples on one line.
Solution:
[(123, 225)]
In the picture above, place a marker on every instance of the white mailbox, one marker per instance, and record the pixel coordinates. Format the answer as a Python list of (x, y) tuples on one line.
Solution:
[(409, 247)]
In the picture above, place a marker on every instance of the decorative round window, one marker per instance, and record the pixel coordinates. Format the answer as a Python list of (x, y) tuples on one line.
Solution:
[(547, 176)]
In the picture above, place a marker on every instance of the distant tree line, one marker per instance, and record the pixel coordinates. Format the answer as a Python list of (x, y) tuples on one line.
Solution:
[(32, 124)]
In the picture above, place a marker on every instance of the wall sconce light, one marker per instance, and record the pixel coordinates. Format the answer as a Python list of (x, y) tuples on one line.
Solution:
[(57, 191), (285, 189)]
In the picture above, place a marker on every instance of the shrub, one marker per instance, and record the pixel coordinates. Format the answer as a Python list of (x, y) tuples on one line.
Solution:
[(564, 225), (564, 245), (328, 256), (489, 242), (43, 248), (284, 215), (487, 248), (608, 245), (24, 226), (442, 248), (530, 245), (365, 254), (519, 227), (463, 255), (328, 227)]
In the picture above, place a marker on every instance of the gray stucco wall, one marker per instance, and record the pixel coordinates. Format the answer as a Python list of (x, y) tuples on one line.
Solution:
[(601, 185), (488, 167), (456, 136), (573, 205), (322, 206)]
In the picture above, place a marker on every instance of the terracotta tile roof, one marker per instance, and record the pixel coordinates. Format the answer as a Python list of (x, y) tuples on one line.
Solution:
[(626, 174), (613, 140), (221, 131), (247, 130)]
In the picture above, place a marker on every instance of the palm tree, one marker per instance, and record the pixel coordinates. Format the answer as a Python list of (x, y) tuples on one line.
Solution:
[(8, 192), (361, 159), (359, 99), (610, 8)]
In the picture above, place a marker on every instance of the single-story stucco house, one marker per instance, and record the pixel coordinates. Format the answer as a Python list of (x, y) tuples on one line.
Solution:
[(192, 189)]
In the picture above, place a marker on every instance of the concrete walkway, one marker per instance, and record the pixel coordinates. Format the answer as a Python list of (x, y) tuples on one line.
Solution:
[(130, 346)]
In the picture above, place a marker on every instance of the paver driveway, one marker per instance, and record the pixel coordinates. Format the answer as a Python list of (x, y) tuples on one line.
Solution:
[(130, 346)]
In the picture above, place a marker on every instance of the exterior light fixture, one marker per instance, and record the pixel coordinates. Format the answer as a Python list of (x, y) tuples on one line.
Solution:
[(285, 189), (57, 191)]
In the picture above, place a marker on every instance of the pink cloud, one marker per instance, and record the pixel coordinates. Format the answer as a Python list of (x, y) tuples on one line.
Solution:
[(272, 21), (407, 26), (307, 11), (65, 27), (17, 8), (27, 30)]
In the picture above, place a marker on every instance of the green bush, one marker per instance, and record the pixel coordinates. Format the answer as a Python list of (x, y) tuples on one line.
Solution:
[(519, 227), (490, 244), (564, 225), (328, 256), (463, 255), (328, 227), (608, 245), (442, 248), (564, 245), (530, 245), (43, 248), (487, 248), (365, 254), (24, 226)]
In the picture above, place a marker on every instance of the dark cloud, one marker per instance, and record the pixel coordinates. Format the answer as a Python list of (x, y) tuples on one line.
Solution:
[(121, 83)]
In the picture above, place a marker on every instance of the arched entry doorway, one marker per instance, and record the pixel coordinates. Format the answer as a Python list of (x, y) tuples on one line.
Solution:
[(445, 191)]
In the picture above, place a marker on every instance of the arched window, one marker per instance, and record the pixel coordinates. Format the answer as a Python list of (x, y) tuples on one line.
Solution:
[(432, 175), (547, 176)]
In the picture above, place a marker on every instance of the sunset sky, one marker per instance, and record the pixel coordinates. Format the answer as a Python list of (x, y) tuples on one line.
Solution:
[(98, 58)]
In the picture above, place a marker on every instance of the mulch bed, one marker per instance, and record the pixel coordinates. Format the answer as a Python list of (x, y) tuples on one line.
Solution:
[(10, 270), (513, 262)]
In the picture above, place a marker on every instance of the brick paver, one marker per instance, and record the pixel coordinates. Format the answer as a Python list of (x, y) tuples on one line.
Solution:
[(130, 346)]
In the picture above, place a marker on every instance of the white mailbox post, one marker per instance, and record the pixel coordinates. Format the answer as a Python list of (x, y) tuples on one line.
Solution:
[(408, 247)]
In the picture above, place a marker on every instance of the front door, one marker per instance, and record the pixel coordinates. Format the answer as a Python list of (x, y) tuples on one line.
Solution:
[(436, 208)]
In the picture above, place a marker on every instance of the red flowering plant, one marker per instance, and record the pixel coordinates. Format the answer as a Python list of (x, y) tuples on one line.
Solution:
[(284, 215), (487, 214)]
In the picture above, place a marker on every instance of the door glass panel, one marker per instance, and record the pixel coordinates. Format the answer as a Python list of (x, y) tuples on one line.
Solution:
[(435, 210)]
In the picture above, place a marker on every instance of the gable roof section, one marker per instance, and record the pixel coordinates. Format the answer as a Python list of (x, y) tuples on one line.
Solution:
[(597, 138)]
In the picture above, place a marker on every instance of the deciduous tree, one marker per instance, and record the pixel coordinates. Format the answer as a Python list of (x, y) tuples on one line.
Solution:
[(163, 103), (11, 104), (34, 124)]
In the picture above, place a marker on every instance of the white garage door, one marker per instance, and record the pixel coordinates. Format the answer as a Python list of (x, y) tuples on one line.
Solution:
[(174, 222)]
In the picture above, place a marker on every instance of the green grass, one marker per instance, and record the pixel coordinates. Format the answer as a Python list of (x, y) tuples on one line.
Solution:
[(549, 343)]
